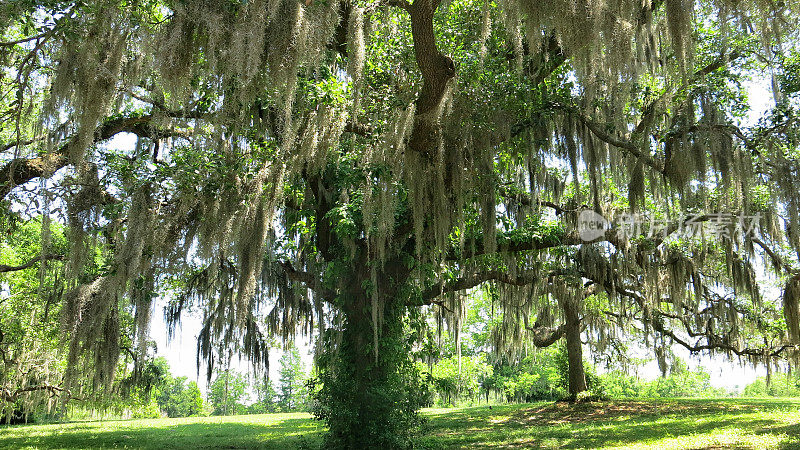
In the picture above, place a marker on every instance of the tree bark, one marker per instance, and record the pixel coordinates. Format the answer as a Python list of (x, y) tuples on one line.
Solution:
[(437, 70), (546, 336), (577, 376)]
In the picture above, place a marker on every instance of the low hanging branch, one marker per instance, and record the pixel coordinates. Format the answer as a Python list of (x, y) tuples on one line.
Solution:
[(476, 247), (476, 279), (542, 336), (713, 341), (55, 391)]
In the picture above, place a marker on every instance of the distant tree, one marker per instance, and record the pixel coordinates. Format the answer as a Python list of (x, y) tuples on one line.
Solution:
[(291, 388), (227, 392), (177, 399), (195, 399), (266, 397), (538, 376), (678, 381), (683, 382), (29, 313), (458, 378), (619, 384), (779, 385)]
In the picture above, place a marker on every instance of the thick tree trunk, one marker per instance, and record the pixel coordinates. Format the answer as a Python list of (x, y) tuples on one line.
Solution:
[(577, 376), (437, 70), (369, 401)]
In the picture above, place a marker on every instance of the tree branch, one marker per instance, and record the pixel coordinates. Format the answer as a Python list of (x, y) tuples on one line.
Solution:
[(21, 170), (546, 336), (713, 342), (24, 40), (9, 396), (5, 268), (308, 279), (473, 280), (437, 71), (618, 142), (359, 129), (523, 198), (13, 144), (776, 259)]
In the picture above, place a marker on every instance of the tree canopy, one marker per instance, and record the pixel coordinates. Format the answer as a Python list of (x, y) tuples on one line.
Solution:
[(338, 168)]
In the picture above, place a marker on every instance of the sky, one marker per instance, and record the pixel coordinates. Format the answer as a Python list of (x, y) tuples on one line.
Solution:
[(181, 351)]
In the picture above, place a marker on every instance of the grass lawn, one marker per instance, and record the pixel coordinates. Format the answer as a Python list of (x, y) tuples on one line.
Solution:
[(689, 424), (277, 431)]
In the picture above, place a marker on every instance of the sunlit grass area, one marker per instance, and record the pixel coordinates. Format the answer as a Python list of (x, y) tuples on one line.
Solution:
[(278, 431), (655, 424)]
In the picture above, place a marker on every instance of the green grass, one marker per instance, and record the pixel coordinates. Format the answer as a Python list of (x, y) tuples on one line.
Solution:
[(278, 431), (656, 424)]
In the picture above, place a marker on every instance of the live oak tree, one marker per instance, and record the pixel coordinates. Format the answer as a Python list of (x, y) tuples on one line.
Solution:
[(331, 168)]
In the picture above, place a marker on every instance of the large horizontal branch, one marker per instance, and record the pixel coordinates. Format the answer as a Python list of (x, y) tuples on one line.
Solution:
[(12, 396), (482, 276), (504, 245), (474, 280), (719, 344), (713, 342), (21, 170), (5, 268)]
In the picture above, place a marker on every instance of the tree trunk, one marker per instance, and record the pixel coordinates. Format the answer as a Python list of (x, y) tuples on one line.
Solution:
[(369, 401), (437, 70), (227, 374), (577, 376)]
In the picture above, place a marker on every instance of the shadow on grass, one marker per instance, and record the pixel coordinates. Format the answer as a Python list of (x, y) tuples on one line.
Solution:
[(283, 434), (792, 431), (596, 425)]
